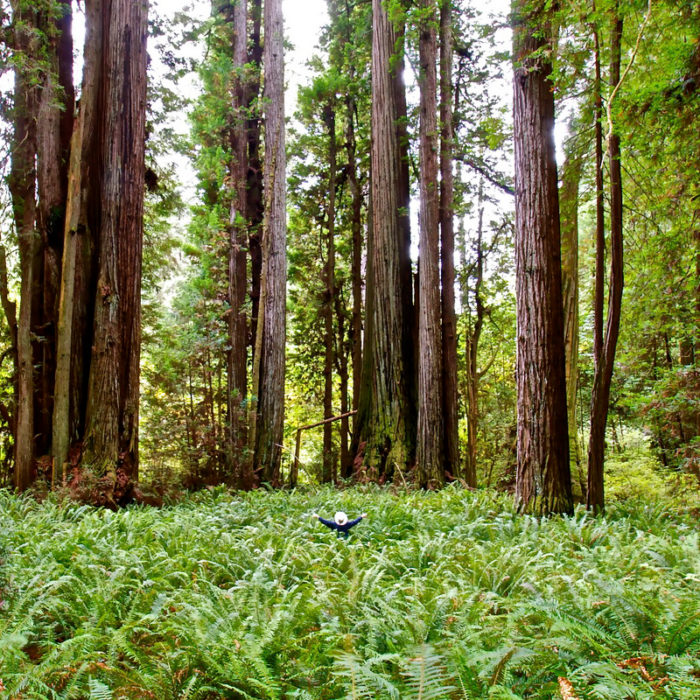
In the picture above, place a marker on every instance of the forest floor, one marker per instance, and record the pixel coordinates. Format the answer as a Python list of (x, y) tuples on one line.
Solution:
[(436, 595)]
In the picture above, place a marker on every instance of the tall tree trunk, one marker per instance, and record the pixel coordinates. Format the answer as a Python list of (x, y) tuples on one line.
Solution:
[(22, 182), (54, 129), (329, 300), (409, 287), (78, 270), (97, 374), (384, 429), (356, 226), (447, 263), (237, 388), (341, 362), (599, 287), (602, 378), (111, 430), (430, 444), (271, 324), (568, 198), (543, 477), (472, 353), (255, 205)]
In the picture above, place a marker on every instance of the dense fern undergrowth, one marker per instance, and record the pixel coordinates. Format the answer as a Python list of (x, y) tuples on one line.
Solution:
[(436, 595)]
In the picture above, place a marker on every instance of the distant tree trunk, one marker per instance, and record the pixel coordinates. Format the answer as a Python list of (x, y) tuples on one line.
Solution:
[(9, 307), (568, 198), (255, 205), (384, 429), (599, 286), (430, 437), (329, 461), (543, 478), (409, 287), (54, 129), (22, 183), (341, 361), (602, 378), (473, 336), (237, 389), (357, 245), (271, 324), (447, 263)]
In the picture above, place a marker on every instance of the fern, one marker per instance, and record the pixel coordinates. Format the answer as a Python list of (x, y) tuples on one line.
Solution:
[(98, 690), (425, 675), (443, 595)]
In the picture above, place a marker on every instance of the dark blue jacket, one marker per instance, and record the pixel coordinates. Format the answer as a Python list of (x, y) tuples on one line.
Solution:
[(340, 529)]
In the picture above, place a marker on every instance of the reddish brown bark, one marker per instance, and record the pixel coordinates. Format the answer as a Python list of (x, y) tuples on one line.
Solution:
[(271, 334), (385, 428), (543, 479), (99, 326), (429, 444)]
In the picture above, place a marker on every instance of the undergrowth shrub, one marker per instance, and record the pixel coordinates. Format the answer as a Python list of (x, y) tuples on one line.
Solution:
[(436, 595)]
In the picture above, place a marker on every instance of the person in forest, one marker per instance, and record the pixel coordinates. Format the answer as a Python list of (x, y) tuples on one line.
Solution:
[(340, 523)]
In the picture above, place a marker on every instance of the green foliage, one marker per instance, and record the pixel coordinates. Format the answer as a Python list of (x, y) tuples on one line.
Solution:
[(436, 595)]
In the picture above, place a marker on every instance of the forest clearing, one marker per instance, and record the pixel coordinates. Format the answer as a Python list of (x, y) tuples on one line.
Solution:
[(448, 594)]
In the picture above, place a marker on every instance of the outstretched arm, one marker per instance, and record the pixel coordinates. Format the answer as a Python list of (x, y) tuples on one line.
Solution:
[(328, 523), (354, 522)]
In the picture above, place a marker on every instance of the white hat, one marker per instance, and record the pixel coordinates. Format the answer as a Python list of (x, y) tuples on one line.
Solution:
[(340, 518)]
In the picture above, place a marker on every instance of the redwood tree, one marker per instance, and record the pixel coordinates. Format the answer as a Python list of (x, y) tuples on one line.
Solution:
[(385, 427), (269, 372), (97, 376), (543, 479), (430, 437)]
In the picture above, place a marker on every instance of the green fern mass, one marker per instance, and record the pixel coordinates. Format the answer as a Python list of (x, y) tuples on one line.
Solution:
[(435, 595)]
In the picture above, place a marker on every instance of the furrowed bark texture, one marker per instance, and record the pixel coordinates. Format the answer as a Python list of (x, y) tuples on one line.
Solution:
[(429, 447), (602, 378), (22, 183), (271, 325), (383, 423), (111, 422), (237, 389), (543, 479), (447, 236)]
